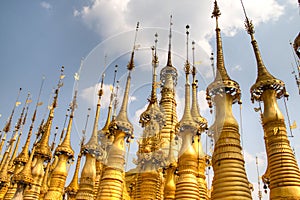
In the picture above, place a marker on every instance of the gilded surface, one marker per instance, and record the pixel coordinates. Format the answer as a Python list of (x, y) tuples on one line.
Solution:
[(284, 175), (230, 179)]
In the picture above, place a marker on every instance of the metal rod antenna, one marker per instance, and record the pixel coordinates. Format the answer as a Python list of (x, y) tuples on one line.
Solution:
[(85, 127), (258, 180), (135, 36), (244, 10)]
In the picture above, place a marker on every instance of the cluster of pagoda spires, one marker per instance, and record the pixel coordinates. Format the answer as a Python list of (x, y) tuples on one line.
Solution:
[(161, 172)]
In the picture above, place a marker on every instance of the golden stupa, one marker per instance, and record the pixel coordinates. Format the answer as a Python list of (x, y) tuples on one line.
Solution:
[(161, 172)]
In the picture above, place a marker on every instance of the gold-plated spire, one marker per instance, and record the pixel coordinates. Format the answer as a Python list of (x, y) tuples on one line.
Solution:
[(4, 178), (222, 82), (65, 154), (130, 65), (221, 70), (91, 150), (63, 129), (227, 158), (168, 78), (122, 116), (152, 108), (187, 117), (23, 157), (43, 147), (170, 165), (113, 187), (52, 164), (264, 78), (187, 185), (8, 123), (7, 126), (14, 154), (103, 135), (202, 123), (170, 169), (93, 142), (24, 179), (283, 175), (73, 187), (18, 133), (43, 150), (154, 75), (46, 179), (65, 147), (169, 69), (195, 110), (5, 163), (20, 161), (149, 155), (105, 128)]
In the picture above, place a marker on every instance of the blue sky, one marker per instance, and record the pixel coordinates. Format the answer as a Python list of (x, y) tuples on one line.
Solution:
[(38, 37)]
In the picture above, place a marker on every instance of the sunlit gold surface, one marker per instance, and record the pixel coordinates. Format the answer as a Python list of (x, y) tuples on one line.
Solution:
[(64, 153), (230, 180), (112, 185), (72, 188), (284, 175)]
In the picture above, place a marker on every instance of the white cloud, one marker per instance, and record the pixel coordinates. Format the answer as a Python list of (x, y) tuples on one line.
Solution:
[(236, 68), (106, 17), (138, 113), (76, 13), (202, 101), (250, 159), (90, 95), (132, 99), (46, 5), (114, 16), (117, 17), (293, 2)]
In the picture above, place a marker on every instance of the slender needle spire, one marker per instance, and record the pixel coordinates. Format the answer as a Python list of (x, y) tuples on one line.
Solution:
[(19, 127), (152, 113), (116, 102), (105, 128), (221, 71), (169, 71), (264, 77), (93, 142), (130, 65), (169, 63), (24, 156), (122, 116), (64, 127), (222, 82), (65, 146), (187, 117), (154, 75), (195, 110), (194, 65), (43, 147), (6, 129)]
